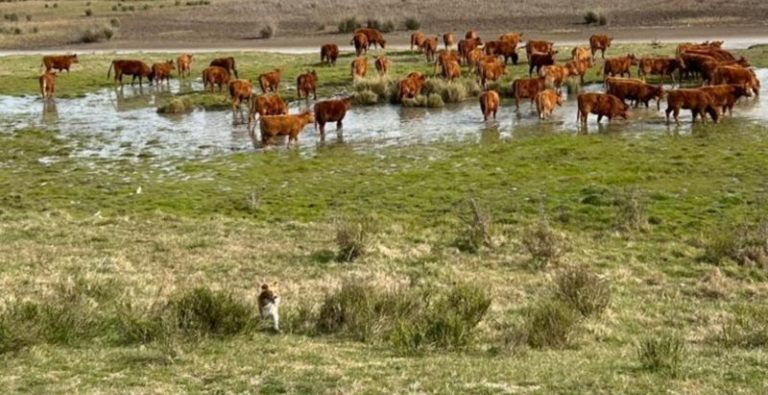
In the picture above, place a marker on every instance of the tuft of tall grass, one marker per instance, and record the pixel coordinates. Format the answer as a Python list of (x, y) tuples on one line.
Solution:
[(631, 211), (353, 237), (745, 244), (549, 324), (661, 353), (545, 245), (583, 290), (476, 228), (201, 311), (747, 329)]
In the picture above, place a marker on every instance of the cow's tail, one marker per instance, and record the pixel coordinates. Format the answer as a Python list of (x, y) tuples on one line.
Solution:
[(109, 70)]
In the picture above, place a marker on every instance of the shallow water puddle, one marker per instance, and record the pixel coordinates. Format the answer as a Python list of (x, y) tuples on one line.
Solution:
[(114, 123)]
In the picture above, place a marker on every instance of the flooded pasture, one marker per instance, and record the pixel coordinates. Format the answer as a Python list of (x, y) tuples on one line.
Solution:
[(124, 123)]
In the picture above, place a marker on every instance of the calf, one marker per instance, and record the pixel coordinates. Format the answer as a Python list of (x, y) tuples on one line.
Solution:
[(305, 84), (411, 86), (360, 41), (698, 101), (527, 88), (283, 125), (635, 90), (448, 40), (489, 104), (59, 62), (47, 84), (227, 64), (580, 67), (162, 71), (468, 45), (451, 70), (659, 66), (618, 66), (429, 46), (359, 67), (382, 65), (265, 105), (134, 68), (580, 53), (513, 38), (215, 75), (599, 42), (538, 60), (471, 35), (546, 101), (329, 53), (270, 81), (184, 65), (726, 96), (443, 58), (491, 71), (331, 111), (555, 75), (601, 104), (240, 91)]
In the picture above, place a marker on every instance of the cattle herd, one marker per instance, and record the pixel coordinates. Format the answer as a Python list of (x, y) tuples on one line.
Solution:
[(724, 79)]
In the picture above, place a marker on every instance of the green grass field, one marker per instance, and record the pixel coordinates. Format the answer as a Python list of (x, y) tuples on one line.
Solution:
[(99, 257)]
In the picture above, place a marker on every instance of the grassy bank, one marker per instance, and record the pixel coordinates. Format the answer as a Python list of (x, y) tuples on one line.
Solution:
[(668, 221)]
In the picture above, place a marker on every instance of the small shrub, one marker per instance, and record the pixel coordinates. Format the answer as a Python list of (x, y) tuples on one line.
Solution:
[(177, 3), (602, 20), (349, 25), (630, 212), (35, 30), (114, 8), (202, 311), (55, 5), (353, 238), (29, 18), (747, 329), (140, 327), (661, 353), (89, 12), (435, 101), (114, 22), (17, 30), (373, 24), (476, 228), (178, 105), (412, 24), (590, 17), (267, 32), (145, 7), (11, 17), (418, 101), (91, 36), (583, 290), (365, 97), (46, 5), (387, 27), (549, 324), (108, 33), (545, 245), (745, 244)]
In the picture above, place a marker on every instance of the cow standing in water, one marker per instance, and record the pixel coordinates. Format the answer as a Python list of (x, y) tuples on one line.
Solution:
[(184, 65), (227, 64), (331, 111), (47, 85), (134, 68)]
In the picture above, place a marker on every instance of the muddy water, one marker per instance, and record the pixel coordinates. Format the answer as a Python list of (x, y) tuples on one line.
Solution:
[(114, 123)]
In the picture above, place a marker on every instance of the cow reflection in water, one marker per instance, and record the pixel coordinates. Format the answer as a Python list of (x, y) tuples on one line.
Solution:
[(50, 114), (132, 98), (490, 134)]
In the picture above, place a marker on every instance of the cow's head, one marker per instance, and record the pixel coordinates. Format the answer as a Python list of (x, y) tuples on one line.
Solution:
[(74, 59), (383, 43), (608, 41)]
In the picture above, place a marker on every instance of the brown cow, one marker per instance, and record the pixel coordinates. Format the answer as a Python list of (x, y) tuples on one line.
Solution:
[(448, 40), (738, 75), (240, 91), (227, 64), (360, 41), (444, 57), (474, 57), (59, 62), (618, 66), (270, 81), (696, 100), (331, 111), (506, 49), (215, 75), (682, 48), (306, 83), (635, 90), (580, 67), (468, 45), (599, 42), (471, 35), (329, 53), (538, 60), (184, 65), (491, 71), (359, 67), (726, 96), (47, 84), (526, 88), (512, 37), (451, 70), (489, 104), (580, 53), (416, 39), (382, 65), (429, 46), (162, 71), (538, 46), (134, 68), (411, 86), (659, 66), (284, 125), (546, 101), (374, 36), (555, 75), (265, 105), (601, 104)]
